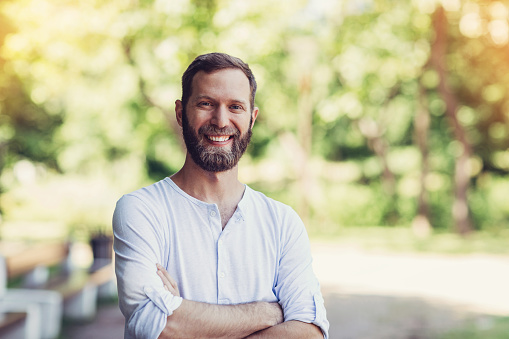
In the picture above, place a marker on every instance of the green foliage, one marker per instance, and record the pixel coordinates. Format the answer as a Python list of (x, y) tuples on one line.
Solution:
[(488, 203), (401, 239), (89, 94), (488, 328)]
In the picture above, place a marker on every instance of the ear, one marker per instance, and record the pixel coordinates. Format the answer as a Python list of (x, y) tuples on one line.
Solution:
[(254, 115), (178, 111)]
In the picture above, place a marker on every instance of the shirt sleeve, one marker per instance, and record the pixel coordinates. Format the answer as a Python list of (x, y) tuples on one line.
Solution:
[(138, 245), (297, 287)]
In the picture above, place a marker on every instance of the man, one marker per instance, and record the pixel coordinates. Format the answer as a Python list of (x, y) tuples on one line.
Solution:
[(201, 255)]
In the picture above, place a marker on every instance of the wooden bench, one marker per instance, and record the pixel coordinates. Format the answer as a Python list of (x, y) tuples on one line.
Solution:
[(21, 259), (42, 269)]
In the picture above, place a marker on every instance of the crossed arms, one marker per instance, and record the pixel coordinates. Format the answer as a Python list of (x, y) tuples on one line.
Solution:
[(152, 311), (252, 320)]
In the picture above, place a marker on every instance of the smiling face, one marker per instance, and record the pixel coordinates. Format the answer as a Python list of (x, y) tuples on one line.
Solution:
[(217, 119)]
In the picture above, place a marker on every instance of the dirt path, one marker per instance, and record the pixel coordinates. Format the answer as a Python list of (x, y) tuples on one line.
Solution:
[(384, 296), (381, 295)]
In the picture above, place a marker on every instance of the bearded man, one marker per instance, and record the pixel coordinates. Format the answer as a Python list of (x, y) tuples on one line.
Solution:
[(201, 255)]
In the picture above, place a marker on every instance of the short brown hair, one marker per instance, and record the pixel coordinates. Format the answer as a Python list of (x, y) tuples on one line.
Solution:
[(213, 62)]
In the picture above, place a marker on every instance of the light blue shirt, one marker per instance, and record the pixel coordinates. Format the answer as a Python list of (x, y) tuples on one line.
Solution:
[(263, 254)]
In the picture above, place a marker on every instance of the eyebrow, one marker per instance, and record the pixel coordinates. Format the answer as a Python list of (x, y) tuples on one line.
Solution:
[(201, 97)]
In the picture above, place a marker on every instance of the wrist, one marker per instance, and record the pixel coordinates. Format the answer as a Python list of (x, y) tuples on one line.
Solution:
[(274, 314)]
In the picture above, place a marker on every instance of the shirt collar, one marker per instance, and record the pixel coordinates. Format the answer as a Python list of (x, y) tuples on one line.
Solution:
[(243, 204)]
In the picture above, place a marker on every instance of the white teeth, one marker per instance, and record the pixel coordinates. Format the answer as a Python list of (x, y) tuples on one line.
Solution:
[(219, 138)]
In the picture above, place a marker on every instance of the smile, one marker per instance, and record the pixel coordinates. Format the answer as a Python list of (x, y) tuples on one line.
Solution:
[(219, 138)]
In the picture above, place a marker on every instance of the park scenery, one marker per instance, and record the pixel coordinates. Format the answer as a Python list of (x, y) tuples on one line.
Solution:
[(384, 124)]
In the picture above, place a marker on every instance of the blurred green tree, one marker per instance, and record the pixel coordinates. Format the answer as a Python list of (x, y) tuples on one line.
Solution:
[(27, 130), (354, 128)]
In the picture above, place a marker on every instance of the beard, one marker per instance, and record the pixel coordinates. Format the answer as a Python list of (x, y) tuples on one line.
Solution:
[(210, 158)]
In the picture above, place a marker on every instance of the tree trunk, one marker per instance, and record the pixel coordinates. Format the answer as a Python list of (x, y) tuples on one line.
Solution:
[(460, 210), (421, 224), (374, 132)]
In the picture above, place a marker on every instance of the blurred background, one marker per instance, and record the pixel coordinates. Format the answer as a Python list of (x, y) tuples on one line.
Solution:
[(385, 124)]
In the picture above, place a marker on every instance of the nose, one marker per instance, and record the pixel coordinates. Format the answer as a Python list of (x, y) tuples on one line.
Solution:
[(220, 117)]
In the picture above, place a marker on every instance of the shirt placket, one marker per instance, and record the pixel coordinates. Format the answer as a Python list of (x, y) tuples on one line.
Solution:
[(223, 274), (222, 271)]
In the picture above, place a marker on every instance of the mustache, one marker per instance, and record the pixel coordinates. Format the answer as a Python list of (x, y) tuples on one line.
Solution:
[(213, 130)]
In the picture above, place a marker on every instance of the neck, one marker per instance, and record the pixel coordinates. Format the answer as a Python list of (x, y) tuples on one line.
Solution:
[(210, 187)]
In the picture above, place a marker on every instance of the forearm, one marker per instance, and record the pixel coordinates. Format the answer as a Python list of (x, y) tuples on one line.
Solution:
[(291, 329), (200, 320)]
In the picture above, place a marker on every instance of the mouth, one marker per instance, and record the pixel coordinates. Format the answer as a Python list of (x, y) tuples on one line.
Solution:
[(219, 138)]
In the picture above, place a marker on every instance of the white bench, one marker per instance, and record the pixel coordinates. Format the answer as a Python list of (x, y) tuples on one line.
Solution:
[(50, 290)]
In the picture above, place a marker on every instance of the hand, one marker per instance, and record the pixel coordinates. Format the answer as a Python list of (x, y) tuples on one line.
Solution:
[(169, 283)]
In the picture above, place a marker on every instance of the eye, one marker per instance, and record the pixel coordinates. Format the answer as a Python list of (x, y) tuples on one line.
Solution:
[(205, 104), (236, 107)]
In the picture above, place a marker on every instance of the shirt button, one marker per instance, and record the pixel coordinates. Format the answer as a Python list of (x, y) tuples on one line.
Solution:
[(221, 275), (220, 242), (212, 213)]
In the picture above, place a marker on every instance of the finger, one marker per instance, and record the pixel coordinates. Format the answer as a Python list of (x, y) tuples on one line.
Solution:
[(176, 288), (173, 282), (160, 273), (169, 283), (168, 276), (165, 280)]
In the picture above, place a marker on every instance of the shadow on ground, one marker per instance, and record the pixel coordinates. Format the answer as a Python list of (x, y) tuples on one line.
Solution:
[(107, 324), (351, 316), (354, 316)]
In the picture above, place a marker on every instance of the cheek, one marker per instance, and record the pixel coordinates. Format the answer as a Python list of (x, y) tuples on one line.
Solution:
[(243, 124), (196, 122)]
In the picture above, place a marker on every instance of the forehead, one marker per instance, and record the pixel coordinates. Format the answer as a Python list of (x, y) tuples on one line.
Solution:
[(229, 83)]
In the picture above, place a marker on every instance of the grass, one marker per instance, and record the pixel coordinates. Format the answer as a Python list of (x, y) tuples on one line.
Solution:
[(402, 239), (494, 328)]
